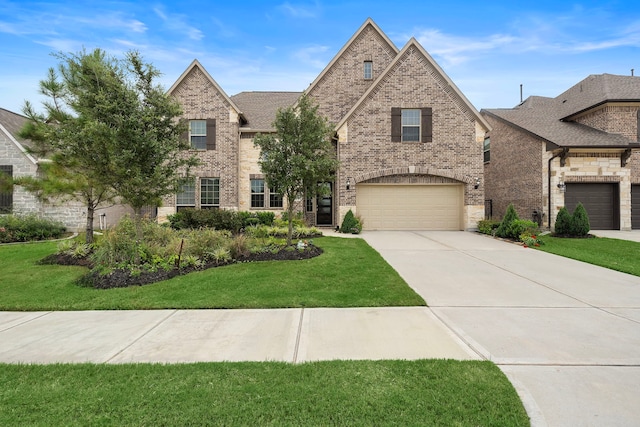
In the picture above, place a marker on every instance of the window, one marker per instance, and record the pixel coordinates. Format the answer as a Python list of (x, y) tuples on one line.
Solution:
[(209, 193), (186, 197), (487, 149), (411, 125), (6, 189), (275, 200), (309, 204), (202, 134), (198, 134), (368, 70), (257, 193)]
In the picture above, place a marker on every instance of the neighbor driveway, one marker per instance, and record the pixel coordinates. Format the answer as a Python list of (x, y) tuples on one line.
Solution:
[(566, 333)]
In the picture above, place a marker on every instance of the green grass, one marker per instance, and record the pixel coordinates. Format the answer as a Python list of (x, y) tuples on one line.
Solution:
[(349, 274), (620, 255), (363, 393)]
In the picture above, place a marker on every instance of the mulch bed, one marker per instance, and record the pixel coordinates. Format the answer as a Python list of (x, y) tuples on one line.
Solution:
[(123, 278)]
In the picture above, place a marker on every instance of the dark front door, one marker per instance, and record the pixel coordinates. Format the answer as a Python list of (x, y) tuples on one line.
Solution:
[(324, 211), (601, 200)]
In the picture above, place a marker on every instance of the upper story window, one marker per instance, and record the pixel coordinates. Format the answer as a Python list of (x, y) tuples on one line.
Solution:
[(368, 70), (202, 134), (486, 149), (411, 124), (198, 134), (6, 189)]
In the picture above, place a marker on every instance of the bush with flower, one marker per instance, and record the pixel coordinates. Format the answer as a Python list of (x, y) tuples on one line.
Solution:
[(530, 240)]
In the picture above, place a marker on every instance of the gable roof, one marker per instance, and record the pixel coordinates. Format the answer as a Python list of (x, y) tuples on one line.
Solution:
[(596, 90), (450, 87), (197, 64), (368, 23), (260, 108), (11, 124), (548, 118)]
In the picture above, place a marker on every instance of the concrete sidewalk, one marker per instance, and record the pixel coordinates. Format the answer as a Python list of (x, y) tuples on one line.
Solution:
[(176, 336)]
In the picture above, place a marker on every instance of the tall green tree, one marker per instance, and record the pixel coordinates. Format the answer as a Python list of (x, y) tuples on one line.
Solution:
[(108, 131), (299, 156)]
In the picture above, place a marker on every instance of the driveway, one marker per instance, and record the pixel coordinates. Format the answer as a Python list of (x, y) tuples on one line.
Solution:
[(566, 333)]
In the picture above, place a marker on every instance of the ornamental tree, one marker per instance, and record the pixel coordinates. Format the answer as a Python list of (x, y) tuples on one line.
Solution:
[(299, 156)]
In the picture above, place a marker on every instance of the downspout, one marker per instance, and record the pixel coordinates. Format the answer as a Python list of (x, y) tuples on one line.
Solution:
[(549, 185)]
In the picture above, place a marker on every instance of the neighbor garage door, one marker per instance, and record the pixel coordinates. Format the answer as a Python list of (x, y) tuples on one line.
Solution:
[(601, 200), (410, 207), (635, 207)]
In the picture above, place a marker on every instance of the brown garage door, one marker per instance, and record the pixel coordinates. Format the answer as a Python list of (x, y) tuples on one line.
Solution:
[(601, 200), (410, 207), (635, 207)]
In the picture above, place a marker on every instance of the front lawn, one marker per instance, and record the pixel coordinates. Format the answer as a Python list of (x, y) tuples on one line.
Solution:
[(353, 393), (349, 274), (620, 255)]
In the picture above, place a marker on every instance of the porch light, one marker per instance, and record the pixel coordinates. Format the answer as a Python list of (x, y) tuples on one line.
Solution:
[(562, 186), (348, 184), (477, 183)]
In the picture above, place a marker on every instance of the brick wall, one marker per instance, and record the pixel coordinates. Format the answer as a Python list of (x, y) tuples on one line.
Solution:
[(365, 147), (201, 100), (343, 84), (619, 119), (516, 172)]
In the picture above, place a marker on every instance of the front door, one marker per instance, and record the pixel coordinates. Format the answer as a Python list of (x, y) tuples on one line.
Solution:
[(324, 210)]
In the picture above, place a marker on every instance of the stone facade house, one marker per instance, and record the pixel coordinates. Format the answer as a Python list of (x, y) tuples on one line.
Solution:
[(408, 141), (15, 161), (581, 146)]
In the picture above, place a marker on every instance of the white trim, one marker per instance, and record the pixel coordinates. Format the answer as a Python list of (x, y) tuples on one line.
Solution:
[(18, 145)]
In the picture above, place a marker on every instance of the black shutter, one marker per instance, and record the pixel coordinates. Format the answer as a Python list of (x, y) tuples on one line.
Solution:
[(427, 125), (396, 124), (211, 134), (6, 188)]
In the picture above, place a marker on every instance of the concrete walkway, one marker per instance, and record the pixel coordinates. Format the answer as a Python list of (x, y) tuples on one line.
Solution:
[(172, 336), (566, 333), (633, 235)]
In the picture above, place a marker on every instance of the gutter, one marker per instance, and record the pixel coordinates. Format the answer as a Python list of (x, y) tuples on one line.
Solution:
[(555, 156)]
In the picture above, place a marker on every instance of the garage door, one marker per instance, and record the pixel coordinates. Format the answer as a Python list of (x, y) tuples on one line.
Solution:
[(601, 200), (635, 207), (410, 207)]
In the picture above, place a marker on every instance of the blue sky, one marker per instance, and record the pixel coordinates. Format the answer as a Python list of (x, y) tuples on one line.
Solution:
[(487, 48)]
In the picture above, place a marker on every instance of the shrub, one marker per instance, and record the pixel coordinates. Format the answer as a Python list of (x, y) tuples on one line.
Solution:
[(580, 222), (487, 226), (563, 222), (266, 218), (510, 216), (350, 224), (521, 226), (220, 219), (15, 228)]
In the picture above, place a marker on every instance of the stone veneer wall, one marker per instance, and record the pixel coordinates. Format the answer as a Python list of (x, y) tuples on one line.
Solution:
[(201, 100), (366, 151), (71, 214), (516, 172)]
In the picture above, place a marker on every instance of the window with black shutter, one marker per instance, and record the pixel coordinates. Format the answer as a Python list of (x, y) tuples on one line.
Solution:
[(411, 124)]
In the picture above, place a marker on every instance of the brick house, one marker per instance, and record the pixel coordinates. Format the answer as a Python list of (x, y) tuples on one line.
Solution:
[(409, 142), (581, 146)]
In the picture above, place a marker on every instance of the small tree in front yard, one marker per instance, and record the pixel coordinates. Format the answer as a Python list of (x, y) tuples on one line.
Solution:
[(563, 222), (509, 216), (580, 222), (298, 156)]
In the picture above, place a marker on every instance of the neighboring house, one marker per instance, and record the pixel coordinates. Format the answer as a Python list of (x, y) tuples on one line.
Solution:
[(581, 146), (15, 161), (408, 141)]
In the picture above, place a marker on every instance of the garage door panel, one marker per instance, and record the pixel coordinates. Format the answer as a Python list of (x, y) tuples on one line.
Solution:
[(601, 200), (410, 207)]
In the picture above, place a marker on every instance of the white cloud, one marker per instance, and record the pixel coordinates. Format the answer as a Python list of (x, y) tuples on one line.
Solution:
[(178, 23), (300, 11), (312, 55)]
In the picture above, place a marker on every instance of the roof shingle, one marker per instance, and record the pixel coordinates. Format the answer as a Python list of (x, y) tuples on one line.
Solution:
[(260, 108)]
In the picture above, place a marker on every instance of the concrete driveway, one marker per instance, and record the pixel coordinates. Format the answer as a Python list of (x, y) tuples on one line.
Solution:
[(566, 333)]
